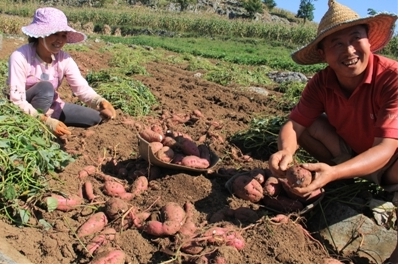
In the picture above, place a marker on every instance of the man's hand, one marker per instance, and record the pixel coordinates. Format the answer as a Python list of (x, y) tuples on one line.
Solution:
[(57, 127), (107, 111), (279, 163), (323, 175)]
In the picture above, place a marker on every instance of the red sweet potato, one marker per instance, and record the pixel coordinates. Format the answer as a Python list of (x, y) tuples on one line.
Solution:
[(165, 154), (113, 188), (67, 203), (177, 158), (194, 162), (102, 239), (94, 224), (155, 147), (298, 176), (110, 256), (150, 136), (139, 185), (115, 207), (247, 188), (169, 141), (87, 171), (188, 146), (173, 216), (225, 235), (204, 152), (89, 190), (272, 186)]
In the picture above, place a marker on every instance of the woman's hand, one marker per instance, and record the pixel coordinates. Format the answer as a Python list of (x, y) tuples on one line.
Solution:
[(279, 163), (107, 111), (57, 127)]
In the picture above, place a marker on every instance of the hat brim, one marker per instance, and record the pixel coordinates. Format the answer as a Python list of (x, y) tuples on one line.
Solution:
[(37, 31), (380, 31)]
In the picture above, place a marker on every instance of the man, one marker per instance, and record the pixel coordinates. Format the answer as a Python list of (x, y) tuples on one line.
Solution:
[(347, 115)]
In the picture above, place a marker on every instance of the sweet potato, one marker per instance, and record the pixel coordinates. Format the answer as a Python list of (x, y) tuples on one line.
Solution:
[(139, 185), (157, 228), (87, 171), (89, 190), (67, 203), (139, 219), (177, 159), (313, 196), (187, 146), (150, 136), (165, 154), (247, 188), (115, 207), (258, 174), (110, 256), (204, 152), (94, 224), (282, 204), (173, 216), (298, 176), (113, 188), (225, 235), (158, 129), (272, 186), (194, 162), (102, 239), (155, 147), (169, 141)]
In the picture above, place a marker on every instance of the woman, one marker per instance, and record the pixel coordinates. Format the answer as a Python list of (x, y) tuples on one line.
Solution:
[(37, 69)]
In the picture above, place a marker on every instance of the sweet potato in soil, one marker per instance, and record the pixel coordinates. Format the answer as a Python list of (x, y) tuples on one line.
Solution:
[(247, 188), (298, 176)]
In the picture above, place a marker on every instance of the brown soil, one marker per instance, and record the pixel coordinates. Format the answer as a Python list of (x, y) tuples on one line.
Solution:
[(177, 91)]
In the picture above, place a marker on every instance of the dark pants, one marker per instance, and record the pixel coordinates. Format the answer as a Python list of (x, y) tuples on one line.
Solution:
[(41, 97)]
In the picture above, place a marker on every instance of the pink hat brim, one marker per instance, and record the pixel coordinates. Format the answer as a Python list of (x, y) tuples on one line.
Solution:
[(41, 31)]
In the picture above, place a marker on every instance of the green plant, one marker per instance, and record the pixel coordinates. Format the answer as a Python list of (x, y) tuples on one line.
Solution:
[(129, 95), (28, 157)]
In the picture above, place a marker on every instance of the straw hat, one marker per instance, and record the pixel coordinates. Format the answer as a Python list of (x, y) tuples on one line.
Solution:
[(49, 20), (338, 17)]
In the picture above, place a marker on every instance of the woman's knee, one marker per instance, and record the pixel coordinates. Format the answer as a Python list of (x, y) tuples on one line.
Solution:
[(41, 95)]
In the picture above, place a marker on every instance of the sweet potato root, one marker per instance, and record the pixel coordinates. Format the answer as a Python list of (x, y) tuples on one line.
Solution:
[(88, 187), (165, 154), (111, 256), (102, 239), (155, 147), (115, 207), (139, 185), (247, 188), (94, 224), (150, 136), (67, 203), (113, 188), (187, 146), (194, 162), (272, 186), (298, 176), (173, 215)]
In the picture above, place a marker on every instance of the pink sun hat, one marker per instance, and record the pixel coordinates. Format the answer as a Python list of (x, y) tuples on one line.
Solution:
[(49, 20)]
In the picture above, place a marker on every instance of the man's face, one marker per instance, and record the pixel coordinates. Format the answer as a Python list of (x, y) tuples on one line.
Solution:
[(347, 51)]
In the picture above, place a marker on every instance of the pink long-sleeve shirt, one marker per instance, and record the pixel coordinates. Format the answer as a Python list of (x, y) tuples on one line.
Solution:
[(25, 69)]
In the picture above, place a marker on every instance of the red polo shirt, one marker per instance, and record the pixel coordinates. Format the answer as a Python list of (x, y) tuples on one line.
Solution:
[(371, 111)]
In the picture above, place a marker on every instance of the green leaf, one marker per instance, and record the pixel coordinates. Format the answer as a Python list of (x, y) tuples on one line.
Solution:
[(39, 141), (46, 225), (9, 193), (52, 204), (25, 215), (4, 143)]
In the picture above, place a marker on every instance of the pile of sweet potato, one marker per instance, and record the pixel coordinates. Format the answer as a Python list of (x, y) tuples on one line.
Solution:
[(259, 186), (176, 148)]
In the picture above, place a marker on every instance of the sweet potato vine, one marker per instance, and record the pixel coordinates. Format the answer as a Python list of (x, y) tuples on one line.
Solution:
[(28, 156)]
